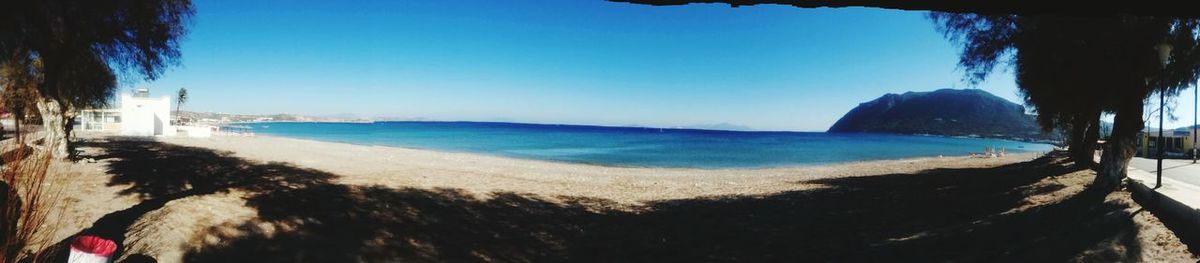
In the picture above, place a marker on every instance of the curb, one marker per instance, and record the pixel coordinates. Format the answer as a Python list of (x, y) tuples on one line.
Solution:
[(1170, 203)]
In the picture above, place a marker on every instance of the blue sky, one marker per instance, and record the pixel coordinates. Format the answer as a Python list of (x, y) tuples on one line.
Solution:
[(579, 62)]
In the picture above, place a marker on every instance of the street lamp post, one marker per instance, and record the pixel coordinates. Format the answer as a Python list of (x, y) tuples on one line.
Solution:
[(1195, 125), (1164, 54), (1162, 149)]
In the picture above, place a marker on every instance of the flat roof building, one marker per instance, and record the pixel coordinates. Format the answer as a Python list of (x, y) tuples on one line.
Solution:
[(136, 114), (1178, 143)]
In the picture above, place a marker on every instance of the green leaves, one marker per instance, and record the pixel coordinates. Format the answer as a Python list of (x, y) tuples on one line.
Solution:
[(85, 46)]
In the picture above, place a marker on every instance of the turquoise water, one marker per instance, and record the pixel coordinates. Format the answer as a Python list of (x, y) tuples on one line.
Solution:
[(642, 147)]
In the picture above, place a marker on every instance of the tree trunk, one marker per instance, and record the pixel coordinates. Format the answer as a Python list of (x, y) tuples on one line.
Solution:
[(1087, 130), (53, 122), (18, 117), (1078, 142), (1119, 149), (1092, 139), (68, 127)]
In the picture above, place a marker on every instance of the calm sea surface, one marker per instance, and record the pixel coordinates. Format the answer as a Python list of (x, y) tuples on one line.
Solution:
[(644, 147)]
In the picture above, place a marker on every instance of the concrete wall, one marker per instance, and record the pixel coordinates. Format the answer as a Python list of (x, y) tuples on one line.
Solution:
[(145, 116), (1174, 204)]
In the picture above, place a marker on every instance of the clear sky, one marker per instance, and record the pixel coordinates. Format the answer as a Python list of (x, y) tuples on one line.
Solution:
[(579, 62)]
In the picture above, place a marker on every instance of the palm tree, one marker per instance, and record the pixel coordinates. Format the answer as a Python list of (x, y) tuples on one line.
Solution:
[(181, 97)]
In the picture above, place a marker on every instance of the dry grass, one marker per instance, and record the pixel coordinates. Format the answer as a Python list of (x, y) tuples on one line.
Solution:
[(30, 195)]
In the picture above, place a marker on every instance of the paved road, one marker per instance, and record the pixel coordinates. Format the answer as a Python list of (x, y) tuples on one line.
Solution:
[(1182, 170)]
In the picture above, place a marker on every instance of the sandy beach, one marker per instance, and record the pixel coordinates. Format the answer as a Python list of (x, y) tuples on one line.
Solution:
[(483, 175), (233, 198)]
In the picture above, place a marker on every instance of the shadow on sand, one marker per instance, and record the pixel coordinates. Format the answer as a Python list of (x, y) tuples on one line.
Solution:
[(936, 215), (160, 173)]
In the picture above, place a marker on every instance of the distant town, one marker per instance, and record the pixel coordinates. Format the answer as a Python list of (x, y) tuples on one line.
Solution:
[(224, 118)]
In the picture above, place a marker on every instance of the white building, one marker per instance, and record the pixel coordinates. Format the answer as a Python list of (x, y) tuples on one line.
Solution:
[(136, 114)]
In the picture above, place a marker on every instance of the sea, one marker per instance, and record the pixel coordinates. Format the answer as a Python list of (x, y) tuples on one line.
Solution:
[(640, 146)]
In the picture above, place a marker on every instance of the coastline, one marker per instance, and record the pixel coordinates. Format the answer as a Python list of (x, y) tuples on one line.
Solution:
[(1029, 155), (963, 136), (611, 146), (484, 174)]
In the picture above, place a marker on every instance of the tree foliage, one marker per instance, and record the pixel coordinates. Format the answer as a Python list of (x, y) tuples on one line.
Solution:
[(61, 55), (84, 47), (1067, 63), (142, 36), (18, 88), (1070, 69)]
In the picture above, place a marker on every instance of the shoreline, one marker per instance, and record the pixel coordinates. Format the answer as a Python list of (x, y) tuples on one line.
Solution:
[(970, 136), (485, 175), (1031, 154), (600, 164)]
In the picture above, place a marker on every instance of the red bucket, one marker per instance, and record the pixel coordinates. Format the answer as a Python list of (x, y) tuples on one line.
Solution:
[(92, 249)]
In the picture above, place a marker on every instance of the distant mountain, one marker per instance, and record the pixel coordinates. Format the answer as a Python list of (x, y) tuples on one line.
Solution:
[(949, 112)]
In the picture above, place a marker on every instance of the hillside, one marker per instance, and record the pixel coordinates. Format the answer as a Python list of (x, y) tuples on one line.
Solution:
[(949, 112)]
